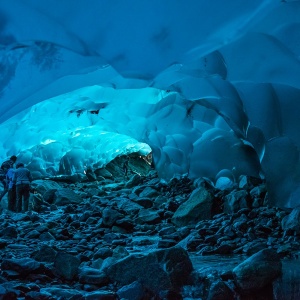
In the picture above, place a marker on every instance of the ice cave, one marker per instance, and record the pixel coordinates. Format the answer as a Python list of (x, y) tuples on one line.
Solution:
[(211, 88)]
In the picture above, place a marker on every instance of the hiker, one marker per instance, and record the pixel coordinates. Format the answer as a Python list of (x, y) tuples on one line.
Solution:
[(125, 167), (37, 201), (11, 187), (6, 165), (22, 179), (89, 173)]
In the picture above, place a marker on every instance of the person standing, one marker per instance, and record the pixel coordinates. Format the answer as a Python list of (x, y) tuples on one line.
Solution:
[(22, 179), (11, 190), (125, 167), (6, 165)]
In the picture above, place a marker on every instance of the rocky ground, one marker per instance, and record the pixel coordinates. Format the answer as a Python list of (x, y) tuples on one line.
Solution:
[(136, 239)]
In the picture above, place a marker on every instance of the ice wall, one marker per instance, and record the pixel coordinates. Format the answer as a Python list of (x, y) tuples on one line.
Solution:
[(211, 86)]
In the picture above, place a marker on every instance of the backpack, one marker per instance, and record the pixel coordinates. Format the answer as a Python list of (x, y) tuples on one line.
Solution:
[(7, 165)]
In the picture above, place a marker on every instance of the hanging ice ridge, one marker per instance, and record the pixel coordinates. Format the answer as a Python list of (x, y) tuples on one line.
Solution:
[(213, 87)]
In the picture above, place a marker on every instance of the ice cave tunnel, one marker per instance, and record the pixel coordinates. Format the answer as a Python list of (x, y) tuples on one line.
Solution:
[(212, 88)]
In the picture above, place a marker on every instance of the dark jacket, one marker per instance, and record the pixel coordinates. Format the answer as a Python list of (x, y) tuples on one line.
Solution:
[(6, 165), (22, 176)]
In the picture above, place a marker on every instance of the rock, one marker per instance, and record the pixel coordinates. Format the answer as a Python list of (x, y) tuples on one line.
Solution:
[(66, 196), (103, 173), (101, 295), (23, 266), (248, 182), (292, 221), (42, 186), (147, 216), (197, 207), (92, 276), (166, 243), (145, 202), (5, 294), (133, 181), (257, 271), (66, 265), (159, 270), (34, 234), (9, 232), (61, 293), (219, 291), (45, 254), (236, 200), (110, 216), (149, 192), (133, 291), (103, 253), (47, 236), (128, 206)]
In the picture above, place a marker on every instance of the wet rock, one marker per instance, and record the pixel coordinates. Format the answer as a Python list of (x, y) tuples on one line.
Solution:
[(166, 243), (125, 223), (66, 196), (129, 207), (257, 271), (149, 192), (101, 295), (159, 270), (219, 291), (292, 221), (9, 232), (133, 181), (236, 200), (133, 291), (147, 216), (66, 265), (61, 293), (92, 276), (110, 216), (249, 182), (42, 186), (103, 253), (34, 234), (46, 236), (5, 294), (23, 266), (197, 207), (144, 202), (45, 254)]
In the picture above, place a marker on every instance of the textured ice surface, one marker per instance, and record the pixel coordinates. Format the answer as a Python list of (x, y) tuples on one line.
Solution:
[(212, 87)]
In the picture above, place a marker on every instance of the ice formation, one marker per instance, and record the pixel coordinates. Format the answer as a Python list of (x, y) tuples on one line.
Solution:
[(211, 87)]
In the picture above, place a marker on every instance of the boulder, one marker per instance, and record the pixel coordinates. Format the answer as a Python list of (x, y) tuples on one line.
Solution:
[(66, 196), (257, 271), (292, 221), (133, 291), (102, 172), (159, 270), (45, 254), (66, 265), (92, 276), (42, 186), (61, 293), (234, 201), (24, 266), (133, 181), (149, 192), (110, 216), (198, 207), (147, 216)]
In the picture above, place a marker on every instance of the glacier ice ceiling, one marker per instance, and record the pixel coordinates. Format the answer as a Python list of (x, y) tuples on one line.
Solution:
[(212, 88)]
